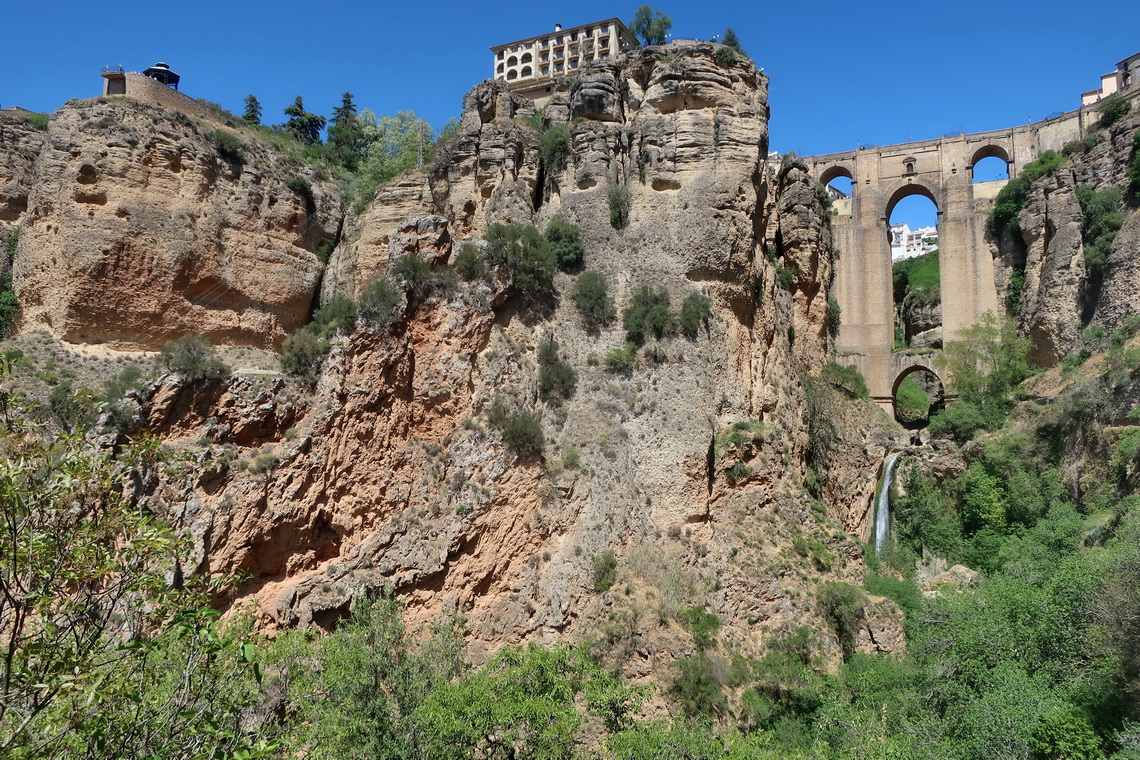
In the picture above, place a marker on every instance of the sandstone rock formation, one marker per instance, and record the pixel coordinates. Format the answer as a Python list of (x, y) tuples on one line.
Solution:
[(20, 143), (139, 230), (690, 470)]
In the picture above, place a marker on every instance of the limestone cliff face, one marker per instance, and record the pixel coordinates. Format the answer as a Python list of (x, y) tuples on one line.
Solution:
[(20, 143), (138, 230), (1060, 298), (690, 469)]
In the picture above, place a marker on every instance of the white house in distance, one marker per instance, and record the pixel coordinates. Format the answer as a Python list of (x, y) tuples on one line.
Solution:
[(907, 243)]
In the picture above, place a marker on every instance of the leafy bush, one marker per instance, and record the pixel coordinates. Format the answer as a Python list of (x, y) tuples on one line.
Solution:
[(902, 592), (302, 355), (379, 303), (521, 429), (591, 297), (826, 203), (725, 57), (1011, 199), (554, 147), (695, 309), (604, 571), (647, 314), (786, 276), (847, 378), (302, 188), (229, 146), (843, 604), (1112, 109), (565, 243), (524, 257), (702, 624), (37, 120), (337, 316), (737, 472), (9, 306), (194, 358), (556, 379), (619, 208), (1101, 219), (469, 264), (699, 686), (621, 361), (1014, 290), (834, 315)]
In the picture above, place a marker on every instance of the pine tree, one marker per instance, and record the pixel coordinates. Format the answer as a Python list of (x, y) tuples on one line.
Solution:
[(252, 115), (305, 126), (732, 41)]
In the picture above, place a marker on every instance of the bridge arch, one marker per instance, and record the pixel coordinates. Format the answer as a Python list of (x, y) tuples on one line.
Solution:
[(904, 189), (909, 411), (834, 172)]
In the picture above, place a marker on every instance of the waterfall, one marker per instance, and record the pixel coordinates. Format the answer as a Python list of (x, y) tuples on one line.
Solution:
[(883, 504)]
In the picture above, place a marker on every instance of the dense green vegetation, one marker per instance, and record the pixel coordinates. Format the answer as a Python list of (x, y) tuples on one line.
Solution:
[(918, 275), (1101, 219), (1011, 199)]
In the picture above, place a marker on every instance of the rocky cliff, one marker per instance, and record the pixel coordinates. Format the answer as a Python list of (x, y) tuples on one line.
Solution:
[(692, 474), (20, 144), (140, 229), (1060, 296)]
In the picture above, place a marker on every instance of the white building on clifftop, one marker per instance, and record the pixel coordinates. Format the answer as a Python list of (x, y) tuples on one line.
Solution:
[(530, 66)]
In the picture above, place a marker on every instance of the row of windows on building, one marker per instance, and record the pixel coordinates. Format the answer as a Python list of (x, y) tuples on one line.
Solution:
[(556, 61)]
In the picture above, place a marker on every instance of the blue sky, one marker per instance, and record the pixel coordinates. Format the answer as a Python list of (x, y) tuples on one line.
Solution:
[(843, 74)]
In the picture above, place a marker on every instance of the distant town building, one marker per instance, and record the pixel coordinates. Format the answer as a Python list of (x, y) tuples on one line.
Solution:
[(1126, 75), (907, 243), (529, 66)]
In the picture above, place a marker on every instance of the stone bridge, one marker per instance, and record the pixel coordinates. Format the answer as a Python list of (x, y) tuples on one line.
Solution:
[(941, 170)]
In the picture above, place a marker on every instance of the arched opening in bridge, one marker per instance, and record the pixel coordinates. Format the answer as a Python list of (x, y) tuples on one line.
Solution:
[(838, 182), (917, 291), (918, 393), (990, 164)]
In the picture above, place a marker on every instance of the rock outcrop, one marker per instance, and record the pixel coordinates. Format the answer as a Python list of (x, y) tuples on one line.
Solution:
[(20, 144), (139, 229), (689, 469)]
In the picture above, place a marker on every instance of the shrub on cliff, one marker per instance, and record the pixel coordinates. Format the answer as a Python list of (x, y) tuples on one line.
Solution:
[(1011, 199), (647, 314), (228, 146), (523, 255), (379, 303), (619, 208), (194, 358), (566, 243), (843, 605), (591, 297), (302, 355), (521, 428), (554, 148), (1112, 109), (1101, 219), (695, 309), (557, 380)]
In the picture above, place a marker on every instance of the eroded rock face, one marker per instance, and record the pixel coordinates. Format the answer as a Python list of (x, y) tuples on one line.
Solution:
[(1051, 299), (689, 468), (139, 231), (20, 144)]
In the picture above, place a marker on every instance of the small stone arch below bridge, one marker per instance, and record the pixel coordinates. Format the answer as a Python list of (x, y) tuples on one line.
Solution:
[(903, 365)]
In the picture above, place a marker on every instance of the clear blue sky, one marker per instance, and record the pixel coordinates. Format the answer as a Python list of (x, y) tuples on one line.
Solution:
[(842, 73)]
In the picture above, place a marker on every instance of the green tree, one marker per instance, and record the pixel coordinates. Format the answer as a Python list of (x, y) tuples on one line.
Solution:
[(732, 41), (650, 26), (647, 314), (566, 243), (347, 140), (194, 358), (695, 309), (523, 256), (592, 299), (304, 126), (391, 146), (101, 657), (252, 113)]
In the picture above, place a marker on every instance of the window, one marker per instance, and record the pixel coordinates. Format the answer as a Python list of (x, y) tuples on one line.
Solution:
[(500, 55), (526, 72)]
